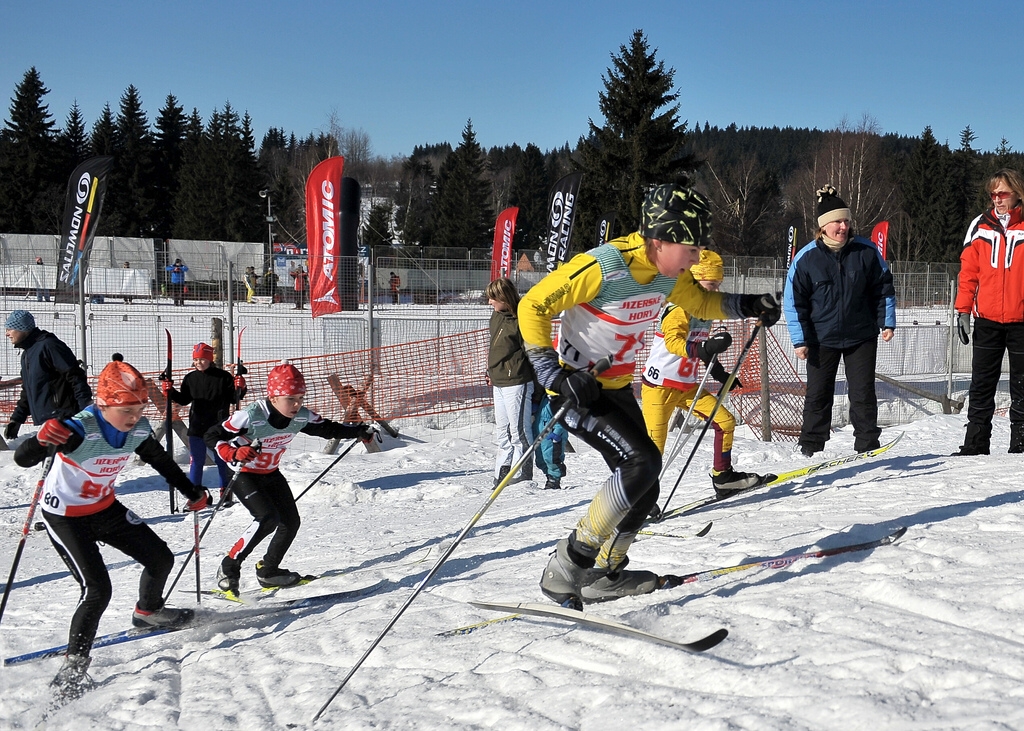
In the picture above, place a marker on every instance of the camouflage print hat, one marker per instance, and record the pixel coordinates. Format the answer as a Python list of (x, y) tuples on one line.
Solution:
[(676, 214)]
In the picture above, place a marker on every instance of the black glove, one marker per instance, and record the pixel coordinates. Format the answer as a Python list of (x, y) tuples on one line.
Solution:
[(580, 387), (11, 432), (721, 375), (714, 345), (367, 431), (963, 327), (761, 306)]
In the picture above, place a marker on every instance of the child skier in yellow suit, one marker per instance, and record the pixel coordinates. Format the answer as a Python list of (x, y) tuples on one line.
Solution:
[(671, 378)]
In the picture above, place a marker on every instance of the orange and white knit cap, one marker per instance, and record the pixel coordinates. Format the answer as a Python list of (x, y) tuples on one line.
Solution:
[(285, 380), (121, 385)]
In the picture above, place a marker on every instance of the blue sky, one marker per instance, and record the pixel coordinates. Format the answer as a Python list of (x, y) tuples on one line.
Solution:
[(412, 72)]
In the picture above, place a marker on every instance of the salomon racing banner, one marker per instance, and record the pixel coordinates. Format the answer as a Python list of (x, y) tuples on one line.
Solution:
[(86, 189), (504, 232), (604, 228), (561, 212), (323, 208)]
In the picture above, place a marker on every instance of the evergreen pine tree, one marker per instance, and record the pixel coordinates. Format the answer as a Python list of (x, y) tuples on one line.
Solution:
[(31, 192), (462, 212), (218, 198), (640, 144), (377, 230), (194, 209), (167, 152), (73, 142), (130, 197), (413, 205), (924, 195), (962, 195), (529, 192)]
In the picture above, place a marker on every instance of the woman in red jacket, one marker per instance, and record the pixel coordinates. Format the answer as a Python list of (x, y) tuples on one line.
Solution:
[(992, 287)]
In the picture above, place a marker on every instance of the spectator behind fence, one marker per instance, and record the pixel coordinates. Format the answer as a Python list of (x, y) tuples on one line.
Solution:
[(395, 284), (839, 294), (511, 378), (127, 299), (250, 279), (298, 274), (41, 293), (178, 270), (992, 287), (269, 284), (209, 392), (53, 384)]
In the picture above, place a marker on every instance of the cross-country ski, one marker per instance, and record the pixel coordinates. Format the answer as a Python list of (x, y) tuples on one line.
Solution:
[(771, 480)]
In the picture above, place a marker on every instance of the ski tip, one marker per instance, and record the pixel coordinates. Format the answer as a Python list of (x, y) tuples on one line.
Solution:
[(898, 534), (708, 642), (704, 531)]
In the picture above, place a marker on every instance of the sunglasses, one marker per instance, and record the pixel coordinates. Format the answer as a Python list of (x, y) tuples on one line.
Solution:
[(1001, 195)]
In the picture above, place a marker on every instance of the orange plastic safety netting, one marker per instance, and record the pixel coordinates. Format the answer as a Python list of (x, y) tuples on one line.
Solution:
[(447, 375), (784, 400)]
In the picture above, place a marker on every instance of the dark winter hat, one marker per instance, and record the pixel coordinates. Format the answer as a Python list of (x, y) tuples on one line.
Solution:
[(21, 320), (831, 207), (676, 214)]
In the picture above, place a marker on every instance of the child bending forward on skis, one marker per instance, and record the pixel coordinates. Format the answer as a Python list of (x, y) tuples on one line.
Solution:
[(259, 485), (80, 510), (670, 378)]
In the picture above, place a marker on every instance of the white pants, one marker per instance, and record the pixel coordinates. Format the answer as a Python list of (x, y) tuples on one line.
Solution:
[(513, 424)]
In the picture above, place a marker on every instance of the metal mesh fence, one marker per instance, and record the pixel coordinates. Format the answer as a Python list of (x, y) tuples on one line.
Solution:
[(436, 302)]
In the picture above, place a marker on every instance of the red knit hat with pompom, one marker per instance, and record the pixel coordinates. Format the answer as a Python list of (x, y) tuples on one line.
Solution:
[(285, 380)]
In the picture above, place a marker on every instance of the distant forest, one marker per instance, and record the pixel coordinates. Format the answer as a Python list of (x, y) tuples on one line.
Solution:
[(186, 176)]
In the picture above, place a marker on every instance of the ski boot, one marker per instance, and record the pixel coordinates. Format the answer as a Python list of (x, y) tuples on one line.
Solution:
[(604, 585), (565, 572), (729, 481), (163, 617), (274, 577), (228, 574), (72, 681)]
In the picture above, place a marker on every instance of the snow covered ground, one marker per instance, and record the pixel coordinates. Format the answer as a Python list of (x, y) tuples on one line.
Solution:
[(924, 634)]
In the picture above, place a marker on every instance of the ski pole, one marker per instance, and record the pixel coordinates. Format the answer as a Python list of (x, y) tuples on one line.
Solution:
[(315, 480), (195, 535), (598, 367), (168, 423), (726, 387), (680, 441), (25, 528), (195, 547), (202, 534), (327, 469)]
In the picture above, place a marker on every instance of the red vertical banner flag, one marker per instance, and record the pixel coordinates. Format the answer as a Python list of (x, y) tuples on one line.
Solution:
[(323, 208), (880, 237), (504, 233)]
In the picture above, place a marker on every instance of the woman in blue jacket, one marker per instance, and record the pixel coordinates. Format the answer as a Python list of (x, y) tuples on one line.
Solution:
[(839, 294)]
